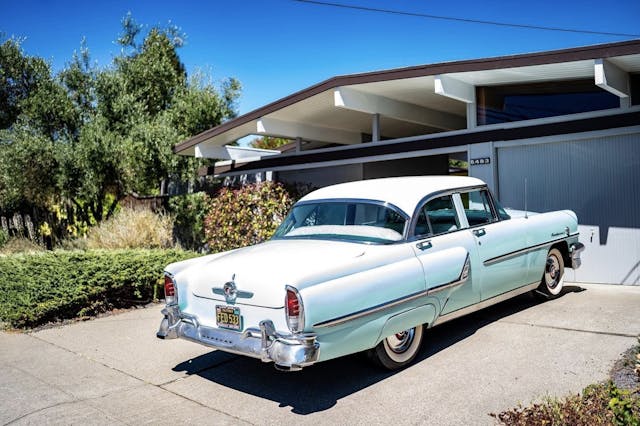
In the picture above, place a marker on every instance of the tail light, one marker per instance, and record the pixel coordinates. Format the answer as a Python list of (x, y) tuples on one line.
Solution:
[(170, 295), (294, 310)]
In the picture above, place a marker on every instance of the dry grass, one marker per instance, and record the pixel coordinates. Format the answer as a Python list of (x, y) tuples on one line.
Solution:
[(133, 228), (20, 245)]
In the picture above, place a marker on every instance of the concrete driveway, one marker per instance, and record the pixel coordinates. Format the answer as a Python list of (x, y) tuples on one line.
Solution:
[(113, 370)]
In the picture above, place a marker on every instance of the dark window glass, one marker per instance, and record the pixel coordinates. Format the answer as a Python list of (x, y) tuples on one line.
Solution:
[(356, 221), (634, 81), (502, 104), (437, 217), (477, 207)]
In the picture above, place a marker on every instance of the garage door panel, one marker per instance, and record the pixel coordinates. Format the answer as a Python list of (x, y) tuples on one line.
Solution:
[(599, 179)]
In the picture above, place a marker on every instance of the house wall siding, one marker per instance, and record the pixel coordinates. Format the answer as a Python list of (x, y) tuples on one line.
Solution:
[(598, 179)]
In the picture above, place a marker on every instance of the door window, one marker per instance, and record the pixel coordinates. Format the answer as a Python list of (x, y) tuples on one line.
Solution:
[(437, 217), (477, 207)]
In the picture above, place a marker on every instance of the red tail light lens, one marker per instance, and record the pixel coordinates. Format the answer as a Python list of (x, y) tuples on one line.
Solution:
[(294, 310), (293, 304), (169, 290)]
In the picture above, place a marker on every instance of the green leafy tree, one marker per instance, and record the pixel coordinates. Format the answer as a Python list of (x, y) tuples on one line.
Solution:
[(84, 138), (268, 142), (20, 75)]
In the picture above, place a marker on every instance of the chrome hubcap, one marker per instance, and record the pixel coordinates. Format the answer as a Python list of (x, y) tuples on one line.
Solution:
[(400, 342), (552, 272)]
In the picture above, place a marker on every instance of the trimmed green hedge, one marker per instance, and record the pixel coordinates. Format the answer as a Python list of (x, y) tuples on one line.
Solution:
[(42, 287)]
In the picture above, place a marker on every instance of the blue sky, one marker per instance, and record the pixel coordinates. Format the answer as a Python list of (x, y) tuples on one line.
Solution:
[(277, 47)]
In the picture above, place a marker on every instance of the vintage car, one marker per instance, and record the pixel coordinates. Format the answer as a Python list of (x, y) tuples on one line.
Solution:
[(367, 266)]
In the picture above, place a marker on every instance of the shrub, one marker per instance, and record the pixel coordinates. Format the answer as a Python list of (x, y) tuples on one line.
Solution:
[(42, 287), (188, 212), (599, 404), (132, 228), (245, 216), (4, 237)]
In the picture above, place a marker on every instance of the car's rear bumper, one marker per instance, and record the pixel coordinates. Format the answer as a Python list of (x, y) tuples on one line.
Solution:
[(287, 352)]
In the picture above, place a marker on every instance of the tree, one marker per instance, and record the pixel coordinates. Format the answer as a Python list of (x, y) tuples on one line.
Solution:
[(268, 142), (86, 137), (20, 75)]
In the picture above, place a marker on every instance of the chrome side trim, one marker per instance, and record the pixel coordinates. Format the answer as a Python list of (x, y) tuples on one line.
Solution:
[(369, 311), (462, 278), (525, 250), (485, 303), (447, 286)]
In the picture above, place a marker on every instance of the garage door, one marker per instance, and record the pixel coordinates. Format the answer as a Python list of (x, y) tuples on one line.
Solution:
[(599, 179)]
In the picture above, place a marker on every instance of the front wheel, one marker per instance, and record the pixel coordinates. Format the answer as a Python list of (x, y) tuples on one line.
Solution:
[(553, 276), (397, 350)]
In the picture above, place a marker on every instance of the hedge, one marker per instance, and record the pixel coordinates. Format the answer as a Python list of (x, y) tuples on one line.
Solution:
[(51, 286)]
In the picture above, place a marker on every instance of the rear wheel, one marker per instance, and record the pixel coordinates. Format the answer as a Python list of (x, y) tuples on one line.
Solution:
[(397, 350), (553, 276)]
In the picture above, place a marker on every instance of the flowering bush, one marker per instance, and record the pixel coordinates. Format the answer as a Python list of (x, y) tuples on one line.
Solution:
[(245, 216)]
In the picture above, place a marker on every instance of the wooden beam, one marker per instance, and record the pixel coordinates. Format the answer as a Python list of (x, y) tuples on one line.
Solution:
[(455, 89), (294, 130), (611, 78), (348, 98)]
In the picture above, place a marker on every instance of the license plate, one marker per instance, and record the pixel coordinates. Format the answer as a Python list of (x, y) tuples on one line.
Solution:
[(228, 317)]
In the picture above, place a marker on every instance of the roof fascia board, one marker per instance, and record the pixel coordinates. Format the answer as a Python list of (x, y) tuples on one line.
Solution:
[(512, 61)]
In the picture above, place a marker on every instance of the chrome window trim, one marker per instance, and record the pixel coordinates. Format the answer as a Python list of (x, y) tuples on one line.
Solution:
[(453, 191), (492, 207)]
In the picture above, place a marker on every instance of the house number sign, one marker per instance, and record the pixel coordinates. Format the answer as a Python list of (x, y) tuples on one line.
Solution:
[(479, 161)]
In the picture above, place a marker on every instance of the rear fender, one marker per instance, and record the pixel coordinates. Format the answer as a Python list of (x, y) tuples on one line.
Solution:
[(425, 314)]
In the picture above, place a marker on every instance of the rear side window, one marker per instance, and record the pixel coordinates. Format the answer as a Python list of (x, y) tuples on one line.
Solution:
[(477, 207), (438, 216)]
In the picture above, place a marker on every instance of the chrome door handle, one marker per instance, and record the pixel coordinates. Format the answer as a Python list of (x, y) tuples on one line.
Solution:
[(479, 232), (424, 245)]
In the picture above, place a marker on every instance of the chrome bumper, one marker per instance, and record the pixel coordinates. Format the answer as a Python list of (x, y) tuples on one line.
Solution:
[(288, 352), (576, 249)]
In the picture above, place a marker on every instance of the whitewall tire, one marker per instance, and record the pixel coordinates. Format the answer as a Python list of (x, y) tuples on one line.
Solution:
[(553, 275), (399, 349)]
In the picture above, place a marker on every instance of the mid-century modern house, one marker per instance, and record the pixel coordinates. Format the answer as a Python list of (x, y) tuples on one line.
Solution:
[(565, 124)]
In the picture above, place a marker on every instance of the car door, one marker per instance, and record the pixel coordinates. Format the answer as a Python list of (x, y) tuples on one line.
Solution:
[(498, 240), (442, 247)]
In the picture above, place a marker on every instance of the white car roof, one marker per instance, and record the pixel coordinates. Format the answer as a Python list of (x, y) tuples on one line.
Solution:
[(403, 192)]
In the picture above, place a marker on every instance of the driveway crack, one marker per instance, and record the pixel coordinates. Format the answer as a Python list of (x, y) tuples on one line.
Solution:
[(555, 327)]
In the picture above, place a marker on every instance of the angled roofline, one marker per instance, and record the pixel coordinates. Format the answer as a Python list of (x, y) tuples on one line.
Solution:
[(483, 64)]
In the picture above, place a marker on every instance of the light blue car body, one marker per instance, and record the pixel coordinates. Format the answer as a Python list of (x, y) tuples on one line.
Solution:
[(424, 266)]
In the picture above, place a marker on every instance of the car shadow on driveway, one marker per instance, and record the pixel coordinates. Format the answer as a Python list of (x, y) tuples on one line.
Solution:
[(320, 387)]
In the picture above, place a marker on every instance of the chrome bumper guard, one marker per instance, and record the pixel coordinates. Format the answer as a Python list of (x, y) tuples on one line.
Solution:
[(288, 352), (576, 249)]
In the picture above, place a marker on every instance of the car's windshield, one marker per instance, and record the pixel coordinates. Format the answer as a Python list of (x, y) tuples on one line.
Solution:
[(360, 221)]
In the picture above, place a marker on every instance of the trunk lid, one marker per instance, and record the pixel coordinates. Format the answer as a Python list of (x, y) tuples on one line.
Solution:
[(261, 272)]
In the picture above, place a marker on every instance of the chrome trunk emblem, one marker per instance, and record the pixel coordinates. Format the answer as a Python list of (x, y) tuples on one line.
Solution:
[(230, 291)]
